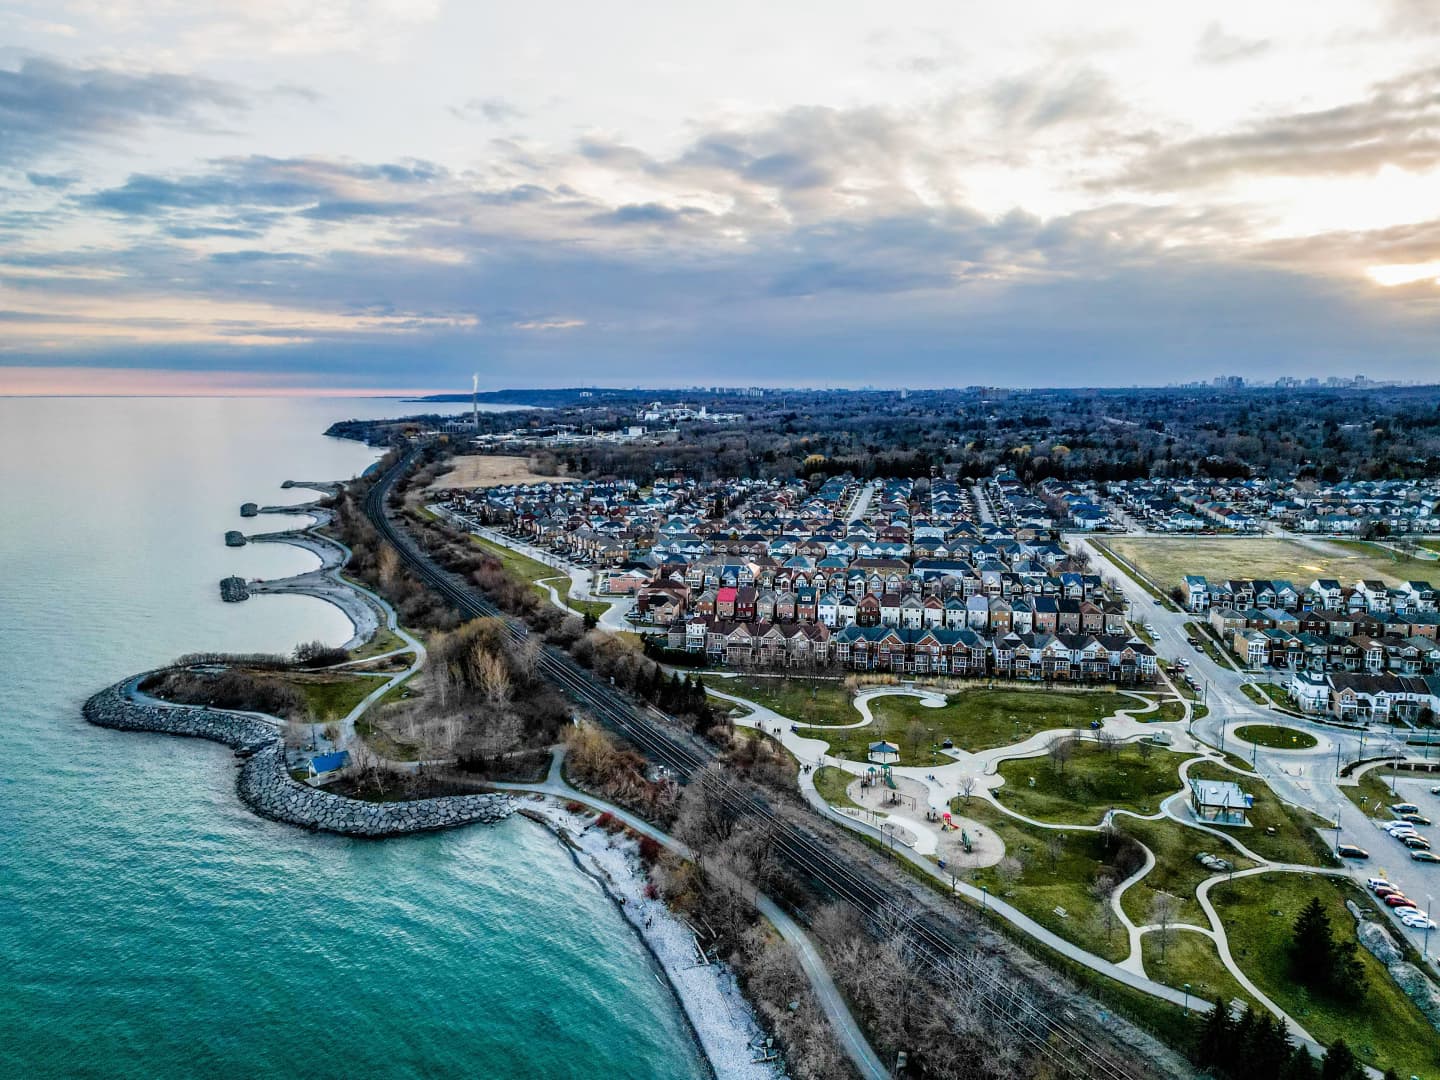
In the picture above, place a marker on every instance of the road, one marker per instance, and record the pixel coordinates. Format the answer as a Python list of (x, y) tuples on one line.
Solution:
[(860, 505), (1305, 778), (948, 955), (982, 504)]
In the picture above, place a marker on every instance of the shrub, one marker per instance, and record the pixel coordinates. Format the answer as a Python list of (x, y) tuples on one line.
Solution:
[(649, 850)]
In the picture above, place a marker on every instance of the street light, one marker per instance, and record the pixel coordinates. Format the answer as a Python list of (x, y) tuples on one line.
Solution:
[(984, 895), (1187, 999), (1425, 948)]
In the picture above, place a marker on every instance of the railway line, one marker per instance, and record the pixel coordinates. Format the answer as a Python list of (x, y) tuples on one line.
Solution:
[(951, 960)]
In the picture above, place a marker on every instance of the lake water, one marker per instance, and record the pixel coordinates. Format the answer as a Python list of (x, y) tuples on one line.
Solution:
[(152, 927)]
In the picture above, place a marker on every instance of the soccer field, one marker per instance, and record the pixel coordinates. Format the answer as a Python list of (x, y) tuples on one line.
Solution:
[(1166, 560)]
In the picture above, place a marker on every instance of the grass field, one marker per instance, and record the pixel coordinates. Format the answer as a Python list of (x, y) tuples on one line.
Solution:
[(1176, 871), (1191, 958), (1382, 1026), (331, 697), (1278, 738), (808, 701), (831, 783), (1294, 839), (1049, 879), (1166, 561), (534, 571), (1095, 779)]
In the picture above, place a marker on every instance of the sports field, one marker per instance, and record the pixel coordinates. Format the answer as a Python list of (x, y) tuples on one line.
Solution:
[(1166, 560)]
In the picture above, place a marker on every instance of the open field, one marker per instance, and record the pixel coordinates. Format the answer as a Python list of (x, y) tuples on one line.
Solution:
[(831, 783), (1166, 561), (1133, 776), (1191, 958), (331, 697), (807, 701), (1176, 871), (490, 470), (1044, 870), (982, 719), (1382, 1026)]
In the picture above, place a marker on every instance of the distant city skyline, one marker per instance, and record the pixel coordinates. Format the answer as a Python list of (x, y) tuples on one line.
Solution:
[(386, 195)]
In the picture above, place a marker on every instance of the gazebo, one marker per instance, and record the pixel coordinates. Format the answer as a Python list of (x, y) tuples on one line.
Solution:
[(884, 753)]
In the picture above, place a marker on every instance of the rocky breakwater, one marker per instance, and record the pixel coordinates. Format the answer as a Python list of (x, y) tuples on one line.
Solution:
[(265, 784)]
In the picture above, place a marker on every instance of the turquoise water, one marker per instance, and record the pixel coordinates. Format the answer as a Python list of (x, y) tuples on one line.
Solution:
[(149, 925)]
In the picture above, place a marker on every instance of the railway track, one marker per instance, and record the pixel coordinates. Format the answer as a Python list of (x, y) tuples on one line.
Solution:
[(950, 959)]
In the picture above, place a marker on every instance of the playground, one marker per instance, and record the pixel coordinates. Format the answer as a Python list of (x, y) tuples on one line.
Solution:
[(962, 842)]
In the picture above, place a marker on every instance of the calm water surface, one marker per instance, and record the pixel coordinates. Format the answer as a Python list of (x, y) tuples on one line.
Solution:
[(149, 925)]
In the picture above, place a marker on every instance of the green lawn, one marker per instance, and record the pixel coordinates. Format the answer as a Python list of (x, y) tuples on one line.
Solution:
[(808, 701), (1166, 561), (534, 571), (331, 697), (1130, 777), (1294, 839), (1175, 871), (1278, 738), (1383, 1027), (1043, 885), (831, 783), (1373, 794), (982, 719), (1170, 711), (384, 641), (1191, 958)]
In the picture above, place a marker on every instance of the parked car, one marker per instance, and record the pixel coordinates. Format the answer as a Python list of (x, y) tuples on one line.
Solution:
[(1415, 843), (1386, 890), (1435, 790), (1377, 883), (1415, 819), (1393, 827), (1418, 921), (1422, 855), (1350, 851), (1398, 900), (1404, 808)]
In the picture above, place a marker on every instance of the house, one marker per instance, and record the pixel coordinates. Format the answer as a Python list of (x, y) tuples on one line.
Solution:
[(1197, 593), (325, 764), (1219, 802)]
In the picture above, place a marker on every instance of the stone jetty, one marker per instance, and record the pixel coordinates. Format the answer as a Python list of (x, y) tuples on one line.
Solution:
[(266, 786), (249, 509), (234, 538), (234, 589)]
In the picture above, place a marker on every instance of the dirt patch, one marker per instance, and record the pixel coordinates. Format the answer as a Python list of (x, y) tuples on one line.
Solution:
[(491, 470)]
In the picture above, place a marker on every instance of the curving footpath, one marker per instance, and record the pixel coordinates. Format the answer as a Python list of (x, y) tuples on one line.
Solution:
[(852, 1039), (265, 784)]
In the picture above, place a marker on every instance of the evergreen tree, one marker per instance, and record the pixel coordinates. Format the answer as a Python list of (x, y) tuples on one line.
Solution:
[(1340, 1063), (1212, 1046), (1312, 948), (1301, 1066), (1270, 1049)]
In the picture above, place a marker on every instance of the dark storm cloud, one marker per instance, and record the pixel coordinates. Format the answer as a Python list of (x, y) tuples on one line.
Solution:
[(47, 105)]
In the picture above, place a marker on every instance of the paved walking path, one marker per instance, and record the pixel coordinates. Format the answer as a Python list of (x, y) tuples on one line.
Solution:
[(852, 1038)]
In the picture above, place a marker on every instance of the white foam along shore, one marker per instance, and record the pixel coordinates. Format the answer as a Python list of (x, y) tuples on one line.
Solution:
[(722, 1019)]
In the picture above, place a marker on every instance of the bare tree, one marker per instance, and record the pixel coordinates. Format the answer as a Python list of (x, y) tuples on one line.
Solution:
[(1054, 846), (388, 564), (1009, 870), (968, 783), (492, 676), (1061, 748), (1103, 889), (1109, 742), (1163, 906)]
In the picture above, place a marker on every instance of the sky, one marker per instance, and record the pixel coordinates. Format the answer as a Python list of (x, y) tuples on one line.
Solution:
[(329, 196)]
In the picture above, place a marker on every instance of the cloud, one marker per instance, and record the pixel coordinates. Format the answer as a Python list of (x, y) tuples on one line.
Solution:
[(493, 109), (1047, 98), (1216, 46), (47, 105), (1398, 123)]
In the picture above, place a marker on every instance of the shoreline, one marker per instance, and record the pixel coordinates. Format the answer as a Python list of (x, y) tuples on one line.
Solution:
[(721, 1020)]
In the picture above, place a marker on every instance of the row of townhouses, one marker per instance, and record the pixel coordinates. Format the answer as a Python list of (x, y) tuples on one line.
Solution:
[(1365, 696), (1347, 507), (1082, 657)]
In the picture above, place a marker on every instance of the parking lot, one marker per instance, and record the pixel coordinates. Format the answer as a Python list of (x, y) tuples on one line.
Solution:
[(1391, 860)]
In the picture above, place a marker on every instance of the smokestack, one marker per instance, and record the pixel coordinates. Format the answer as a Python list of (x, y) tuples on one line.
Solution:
[(475, 401)]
